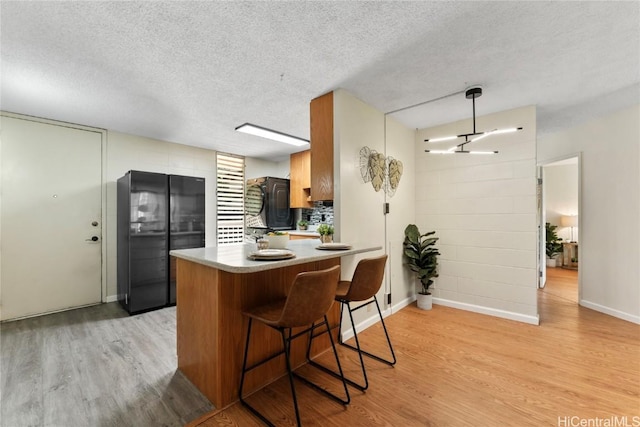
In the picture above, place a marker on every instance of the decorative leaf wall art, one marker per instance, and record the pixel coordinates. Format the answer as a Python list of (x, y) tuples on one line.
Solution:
[(377, 170), (383, 172), (393, 177), (365, 152)]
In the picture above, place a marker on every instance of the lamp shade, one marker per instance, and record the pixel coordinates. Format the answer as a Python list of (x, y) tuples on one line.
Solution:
[(569, 220)]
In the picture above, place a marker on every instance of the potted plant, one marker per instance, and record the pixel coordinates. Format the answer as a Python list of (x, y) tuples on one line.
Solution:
[(553, 244), (326, 233), (303, 224), (277, 239), (422, 258)]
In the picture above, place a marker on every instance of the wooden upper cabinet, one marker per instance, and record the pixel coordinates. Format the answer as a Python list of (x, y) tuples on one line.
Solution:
[(321, 112), (300, 172)]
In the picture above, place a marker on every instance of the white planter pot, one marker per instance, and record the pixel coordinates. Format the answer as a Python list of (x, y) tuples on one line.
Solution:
[(278, 241), (551, 262), (425, 302)]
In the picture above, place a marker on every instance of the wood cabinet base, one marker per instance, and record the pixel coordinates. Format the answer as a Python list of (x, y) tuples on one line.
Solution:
[(211, 328)]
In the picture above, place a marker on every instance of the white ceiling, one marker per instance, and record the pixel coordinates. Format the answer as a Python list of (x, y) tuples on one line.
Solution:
[(190, 72)]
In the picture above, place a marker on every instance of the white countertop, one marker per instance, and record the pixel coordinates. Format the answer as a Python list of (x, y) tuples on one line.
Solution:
[(304, 233), (233, 258)]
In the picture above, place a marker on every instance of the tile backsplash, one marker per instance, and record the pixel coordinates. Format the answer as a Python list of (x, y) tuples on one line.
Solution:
[(321, 213)]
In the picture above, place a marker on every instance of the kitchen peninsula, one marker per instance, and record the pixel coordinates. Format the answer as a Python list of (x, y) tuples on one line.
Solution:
[(214, 285)]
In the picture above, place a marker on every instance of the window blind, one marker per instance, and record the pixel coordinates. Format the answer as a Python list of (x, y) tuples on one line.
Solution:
[(230, 198)]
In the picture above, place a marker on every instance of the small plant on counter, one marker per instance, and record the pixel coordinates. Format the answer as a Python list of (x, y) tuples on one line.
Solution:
[(325, 229), (303, 224)]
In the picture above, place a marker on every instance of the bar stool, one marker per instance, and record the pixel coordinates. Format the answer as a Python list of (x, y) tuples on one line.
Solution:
[(310, 298), (365, 283)]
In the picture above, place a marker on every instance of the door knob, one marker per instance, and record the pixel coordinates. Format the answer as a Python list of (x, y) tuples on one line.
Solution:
[(93, 239)]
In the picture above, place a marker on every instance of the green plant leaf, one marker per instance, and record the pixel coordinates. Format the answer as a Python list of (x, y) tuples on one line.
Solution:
[(412, 233), (421, 254)]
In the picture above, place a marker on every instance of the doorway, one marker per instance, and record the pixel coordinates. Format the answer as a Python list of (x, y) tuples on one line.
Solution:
[(51, 217), (559, 205)]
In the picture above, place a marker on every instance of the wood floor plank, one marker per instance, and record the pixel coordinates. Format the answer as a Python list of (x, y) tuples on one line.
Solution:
[(457, 368), (95, 366), (98, 366), (21, 366)]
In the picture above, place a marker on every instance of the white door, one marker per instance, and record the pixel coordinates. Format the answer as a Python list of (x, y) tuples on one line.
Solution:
[(50, 224), (542, 233)]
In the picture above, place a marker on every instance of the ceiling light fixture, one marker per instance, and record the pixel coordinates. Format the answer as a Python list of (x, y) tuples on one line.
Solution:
[(472, 93), (460, 151), (271, 134)]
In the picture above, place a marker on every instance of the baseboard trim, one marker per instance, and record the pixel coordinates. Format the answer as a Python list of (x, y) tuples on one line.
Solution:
[(402, 304), (111, 298), (373, 319), (519, 317), (611, 311)]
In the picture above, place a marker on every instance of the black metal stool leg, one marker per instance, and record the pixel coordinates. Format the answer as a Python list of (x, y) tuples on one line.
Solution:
[(335, 353), (361, 387), (244, 360), (286, 343), (253, 410), (384, 327), (340, 376), (355, 336), (393, 354), (340, 322), (287, 347)]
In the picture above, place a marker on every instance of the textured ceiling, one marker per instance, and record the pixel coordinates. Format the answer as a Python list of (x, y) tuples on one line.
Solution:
[(190, 72)]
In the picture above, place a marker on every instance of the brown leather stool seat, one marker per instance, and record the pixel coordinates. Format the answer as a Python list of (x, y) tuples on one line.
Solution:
[(310, 298), (365, 283)]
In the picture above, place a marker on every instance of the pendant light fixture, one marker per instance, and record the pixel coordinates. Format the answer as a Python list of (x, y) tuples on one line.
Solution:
[(472, 93)]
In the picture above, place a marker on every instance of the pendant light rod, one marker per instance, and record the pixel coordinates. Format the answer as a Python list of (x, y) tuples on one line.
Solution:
[(471, 93)]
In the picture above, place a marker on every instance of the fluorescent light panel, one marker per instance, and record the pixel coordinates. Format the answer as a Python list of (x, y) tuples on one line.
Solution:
[(271, 134)]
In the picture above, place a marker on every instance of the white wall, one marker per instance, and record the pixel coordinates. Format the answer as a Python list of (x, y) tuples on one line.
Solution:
[(358, 209), (257, 168), (561, 196), (400, 144), (128, 152), (610, 208), (484, 210)]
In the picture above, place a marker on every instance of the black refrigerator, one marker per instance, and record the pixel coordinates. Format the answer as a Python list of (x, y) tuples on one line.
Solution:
[(156, 213), (186, 220)]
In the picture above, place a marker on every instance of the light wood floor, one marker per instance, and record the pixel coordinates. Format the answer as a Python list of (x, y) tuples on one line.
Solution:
[(99, 367), (95, 366), (457, 368)]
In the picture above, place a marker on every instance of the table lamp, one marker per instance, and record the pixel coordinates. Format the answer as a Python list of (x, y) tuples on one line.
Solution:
[(569, 221)]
